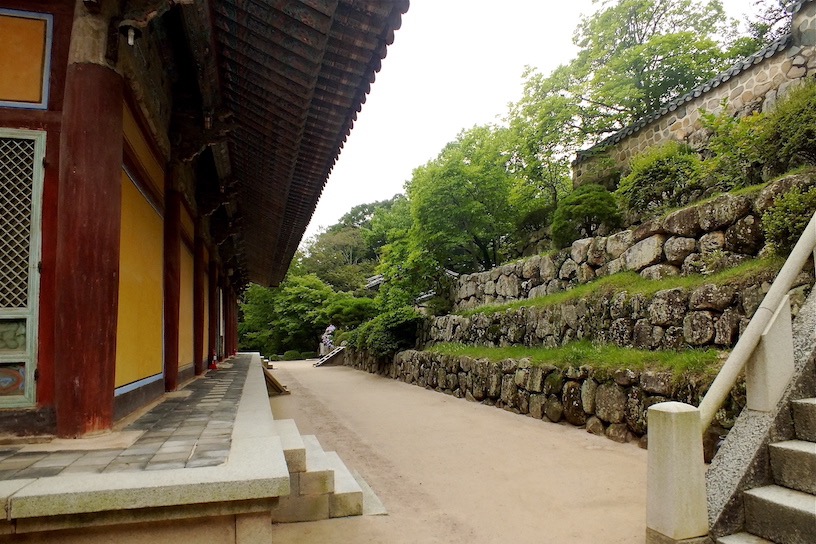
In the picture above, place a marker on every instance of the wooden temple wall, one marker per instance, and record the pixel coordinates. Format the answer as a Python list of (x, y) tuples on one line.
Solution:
[(126, 279)]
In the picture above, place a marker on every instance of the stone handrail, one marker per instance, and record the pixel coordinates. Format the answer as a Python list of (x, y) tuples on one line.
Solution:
[(752, 335), (676, 490)]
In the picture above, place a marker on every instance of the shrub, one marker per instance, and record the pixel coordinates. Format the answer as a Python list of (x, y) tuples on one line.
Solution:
[(308, 355), (790, 136), (387, 333), (582, 212), (292, 355), (347, 312), (736, 148), (663, 177), (785, 221)]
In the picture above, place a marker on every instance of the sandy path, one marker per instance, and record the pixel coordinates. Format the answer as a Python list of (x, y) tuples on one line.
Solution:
[(452, 471)]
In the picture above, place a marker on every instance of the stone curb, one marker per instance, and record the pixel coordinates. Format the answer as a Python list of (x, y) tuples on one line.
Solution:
[(255, 469)]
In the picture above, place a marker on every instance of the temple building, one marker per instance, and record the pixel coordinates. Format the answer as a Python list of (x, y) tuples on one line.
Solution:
[(156, 156)]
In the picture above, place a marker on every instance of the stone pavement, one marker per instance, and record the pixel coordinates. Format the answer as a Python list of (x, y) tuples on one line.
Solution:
[(189, 428)]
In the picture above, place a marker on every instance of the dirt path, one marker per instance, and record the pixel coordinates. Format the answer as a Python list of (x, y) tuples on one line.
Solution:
[(451, 471)]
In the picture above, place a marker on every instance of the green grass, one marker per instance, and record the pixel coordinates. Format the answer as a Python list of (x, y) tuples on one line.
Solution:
[(634, 284), (598, 356)]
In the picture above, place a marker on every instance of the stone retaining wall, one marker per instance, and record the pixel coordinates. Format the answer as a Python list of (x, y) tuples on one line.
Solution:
[(754, 85), (702, 238), (610, 403), (710, 315)]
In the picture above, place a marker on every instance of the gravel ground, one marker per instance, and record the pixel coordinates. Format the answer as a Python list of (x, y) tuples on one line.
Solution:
[(452, 471)]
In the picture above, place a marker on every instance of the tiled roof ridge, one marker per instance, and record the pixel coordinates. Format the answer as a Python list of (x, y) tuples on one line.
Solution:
[(742, 65)]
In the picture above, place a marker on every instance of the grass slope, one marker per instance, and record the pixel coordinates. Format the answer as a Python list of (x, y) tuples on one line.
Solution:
[(597, 356)]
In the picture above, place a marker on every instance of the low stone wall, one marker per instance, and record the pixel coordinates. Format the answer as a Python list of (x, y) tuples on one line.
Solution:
[(702, 238), (753, 85), (610, 403), (708, 316)]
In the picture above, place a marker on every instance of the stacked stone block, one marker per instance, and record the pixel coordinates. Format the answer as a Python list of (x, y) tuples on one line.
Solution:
[(703, 238)]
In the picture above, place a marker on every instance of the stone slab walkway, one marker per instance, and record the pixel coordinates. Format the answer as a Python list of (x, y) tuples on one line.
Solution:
[(190, 428)]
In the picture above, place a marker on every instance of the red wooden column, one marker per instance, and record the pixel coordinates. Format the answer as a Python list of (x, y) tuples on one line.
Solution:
[(88, 225), (213, 309), (234, 323), (199, 288), (227, 321), (230, 321), (172, 285)]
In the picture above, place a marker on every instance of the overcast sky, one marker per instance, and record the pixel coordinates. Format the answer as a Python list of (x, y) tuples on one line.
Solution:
[(453, 64)]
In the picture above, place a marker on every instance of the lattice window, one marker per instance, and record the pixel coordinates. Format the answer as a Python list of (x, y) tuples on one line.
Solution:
[(16, 193)]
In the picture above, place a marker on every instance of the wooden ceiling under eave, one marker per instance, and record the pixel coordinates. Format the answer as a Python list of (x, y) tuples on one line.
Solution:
[(293, 74)]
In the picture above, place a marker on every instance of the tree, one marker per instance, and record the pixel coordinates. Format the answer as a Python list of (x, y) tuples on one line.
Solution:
[(289, 317), (360, 216), (635, 55), (460, 203), (582, 213), (340, 257), (544, 133), (771, 22), (639, 54)]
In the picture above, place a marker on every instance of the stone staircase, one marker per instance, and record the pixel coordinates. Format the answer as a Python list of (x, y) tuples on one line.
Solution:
[(785, 512), (331, 356), (321, 487)]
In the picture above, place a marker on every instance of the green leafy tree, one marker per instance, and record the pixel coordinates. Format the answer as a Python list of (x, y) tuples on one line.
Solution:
[(289, 317), (638, 54), (582, 213), (771, 21), (340, 257), (360, 216), (460, 203), (634, 56)]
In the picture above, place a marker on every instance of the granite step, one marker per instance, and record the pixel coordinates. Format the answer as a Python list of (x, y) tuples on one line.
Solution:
[(294, 450), (318, 479), (804, 417), (794, 465), (743, 538), (347, 499), (779, 514)]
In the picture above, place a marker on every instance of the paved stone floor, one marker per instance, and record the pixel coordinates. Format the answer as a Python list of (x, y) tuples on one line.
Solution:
[(189, 428)]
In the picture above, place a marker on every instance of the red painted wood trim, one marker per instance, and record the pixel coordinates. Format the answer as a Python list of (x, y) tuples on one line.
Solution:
[(199, 287), (172, 285), (87, 252), (50, 121), (139, 177)]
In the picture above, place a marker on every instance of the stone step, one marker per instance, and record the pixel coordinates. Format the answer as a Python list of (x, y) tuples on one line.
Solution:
[(347, 499), (294, 449), (782, 515), (318, 479), (742, 538), (804, 418), (794, 465)]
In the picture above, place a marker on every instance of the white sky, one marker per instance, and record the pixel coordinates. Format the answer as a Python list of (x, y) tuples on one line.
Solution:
[(453, 64)]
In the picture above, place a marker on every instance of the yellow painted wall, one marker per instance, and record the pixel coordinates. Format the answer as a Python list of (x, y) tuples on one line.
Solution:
[(22, 59), (144, 154), (139, 346), (186, 339)]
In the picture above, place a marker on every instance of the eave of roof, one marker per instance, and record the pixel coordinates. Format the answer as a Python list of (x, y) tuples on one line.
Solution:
[(293, 74)]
